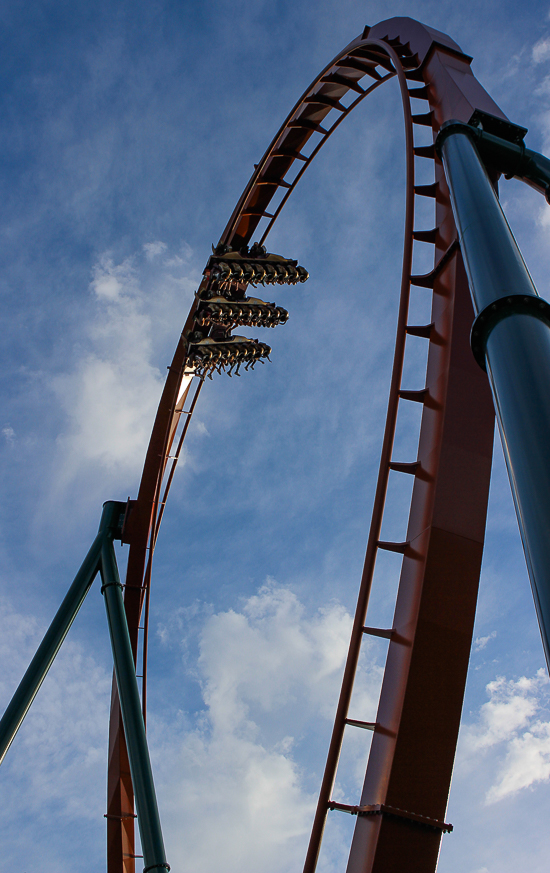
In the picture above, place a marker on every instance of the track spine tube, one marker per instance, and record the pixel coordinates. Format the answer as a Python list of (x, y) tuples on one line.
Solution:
[(517, 354), (132, 717), (511, 158)]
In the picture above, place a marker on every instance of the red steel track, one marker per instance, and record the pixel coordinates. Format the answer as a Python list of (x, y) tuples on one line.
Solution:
[(401, 812)]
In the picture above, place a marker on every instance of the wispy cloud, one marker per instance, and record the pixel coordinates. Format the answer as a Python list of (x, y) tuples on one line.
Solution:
[(510, 723), (113, 144), (59, 749), (9, 434), (154, 249), (541, 50), (527, 762), (262, 668), (110, 399), (481, 642), (111, 396)]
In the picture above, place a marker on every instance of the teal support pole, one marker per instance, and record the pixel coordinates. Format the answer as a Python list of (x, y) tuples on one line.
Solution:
[(56, 633), (505, 151), (134, 729), (511, 340)]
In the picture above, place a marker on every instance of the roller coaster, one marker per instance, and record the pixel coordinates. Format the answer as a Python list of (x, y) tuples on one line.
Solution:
[(488, 349)]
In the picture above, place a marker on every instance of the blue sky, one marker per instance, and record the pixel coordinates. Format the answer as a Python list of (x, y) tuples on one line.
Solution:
[(129, 131)]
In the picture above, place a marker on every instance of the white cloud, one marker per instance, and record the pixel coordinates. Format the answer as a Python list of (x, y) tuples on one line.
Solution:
[(111, 397), (481, 642), (511, 705), (269, 654), (152, 250), (253, 794), (238, 767), (543, 216), (527, 762), (53, 776), (9, 434), (510, 724), (541, 50)]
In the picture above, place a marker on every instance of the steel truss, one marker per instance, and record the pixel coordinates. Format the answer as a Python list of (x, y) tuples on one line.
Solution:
[(401, 811)]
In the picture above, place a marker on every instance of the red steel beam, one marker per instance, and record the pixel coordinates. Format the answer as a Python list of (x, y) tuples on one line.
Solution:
[(411, 759), (140, 525), (456, 389), (340, 721)]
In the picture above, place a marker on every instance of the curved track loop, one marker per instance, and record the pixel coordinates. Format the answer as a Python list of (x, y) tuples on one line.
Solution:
[(400, 815), (414, 53)]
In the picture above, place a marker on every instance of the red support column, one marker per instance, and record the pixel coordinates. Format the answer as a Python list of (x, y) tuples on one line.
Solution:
[(409, 771), (412, 754), (120, 797), (413, 746)]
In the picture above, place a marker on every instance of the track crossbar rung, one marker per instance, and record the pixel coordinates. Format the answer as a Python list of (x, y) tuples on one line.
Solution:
[(325, 100), (416, 396), (428, 279), (427, 236), (400, 548), (366, 725), (289, 153), (250, 212), (280, 183), (425, 151), (420, 93), (425, 118), (343, 80), (369, 69), (385, 632), (379, 56), (307, 124), (427, 190), (423, 330), (343, 807), (404, 467)]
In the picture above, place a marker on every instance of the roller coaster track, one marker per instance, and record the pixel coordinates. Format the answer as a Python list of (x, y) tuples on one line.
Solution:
[(401, 812)]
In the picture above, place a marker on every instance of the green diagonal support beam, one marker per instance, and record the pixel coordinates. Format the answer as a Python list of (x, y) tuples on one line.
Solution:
[(36, 673), (132, 718)]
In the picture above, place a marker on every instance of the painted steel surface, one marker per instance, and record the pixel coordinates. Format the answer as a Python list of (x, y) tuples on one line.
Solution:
[(413, 748), (134, 729), (493, 261), (142, 527), (518, 363), (38, 668), (101, 559), (517, 351), (401, 812), (341, 720), (402, 809)]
